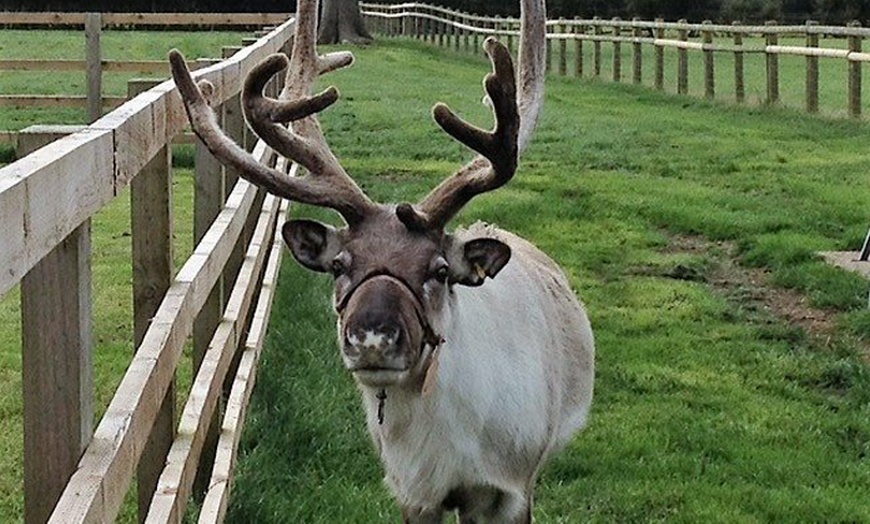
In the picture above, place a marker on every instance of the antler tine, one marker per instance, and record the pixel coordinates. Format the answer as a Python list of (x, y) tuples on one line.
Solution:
[(335, 192), (266, 117), (497, 148), (499, 145), (516, 118), (303, 142)]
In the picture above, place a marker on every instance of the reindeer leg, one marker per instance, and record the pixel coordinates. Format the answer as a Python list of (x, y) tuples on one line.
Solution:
[(417, 516), (513, 509)]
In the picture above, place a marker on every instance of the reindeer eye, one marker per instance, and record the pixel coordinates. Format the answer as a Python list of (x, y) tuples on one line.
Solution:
[(441, 273), (338, 267)]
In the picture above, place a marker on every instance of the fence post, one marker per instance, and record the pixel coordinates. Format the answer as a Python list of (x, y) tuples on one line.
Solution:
[(549, 56), (709, 77), (94, 65), (660, 56), (854, 73), (578, 49), (208, 199), (596, 47), (739, 85), (151, 227), (683, 61), (617, 50), (637, 52), (233, 117), (563, 48), (466, 40), (812, 87), (456, 32), (234, 126), (771, 39), (56, 360)]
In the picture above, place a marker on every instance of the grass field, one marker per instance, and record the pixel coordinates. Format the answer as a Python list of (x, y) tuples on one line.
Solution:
[(709, 405)]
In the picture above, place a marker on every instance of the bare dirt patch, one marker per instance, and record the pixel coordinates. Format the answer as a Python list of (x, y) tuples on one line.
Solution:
[(752, 288)]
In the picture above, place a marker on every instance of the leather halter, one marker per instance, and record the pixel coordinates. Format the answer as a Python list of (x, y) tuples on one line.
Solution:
[(429, 336)]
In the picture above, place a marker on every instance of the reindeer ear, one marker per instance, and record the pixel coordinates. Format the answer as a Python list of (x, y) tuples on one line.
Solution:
[(474, 260), (313, 244)]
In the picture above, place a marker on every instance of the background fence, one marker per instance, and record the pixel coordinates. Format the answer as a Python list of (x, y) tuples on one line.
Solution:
[(95, 65), (638, 50), (220, 298)]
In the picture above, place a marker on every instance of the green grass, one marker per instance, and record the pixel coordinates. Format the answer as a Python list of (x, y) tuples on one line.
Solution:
[(706, 410)]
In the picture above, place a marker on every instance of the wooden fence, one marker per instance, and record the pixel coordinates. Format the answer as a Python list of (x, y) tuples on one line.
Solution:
[(635, 38), (197, 20), (94, 65), (220, 296)]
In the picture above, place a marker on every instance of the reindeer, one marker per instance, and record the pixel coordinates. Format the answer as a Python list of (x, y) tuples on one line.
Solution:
[(469, 382)]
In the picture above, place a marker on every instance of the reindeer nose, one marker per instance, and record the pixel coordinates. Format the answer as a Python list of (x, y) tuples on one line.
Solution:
[(370, 345), (375, 330)]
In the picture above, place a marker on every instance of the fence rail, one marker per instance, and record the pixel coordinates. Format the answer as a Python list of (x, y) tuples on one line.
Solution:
[(43, 19), (73, 472), (93, 64), (447, 27)]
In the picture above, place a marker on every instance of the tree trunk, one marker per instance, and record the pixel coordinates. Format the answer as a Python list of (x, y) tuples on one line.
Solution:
[(341, 22)]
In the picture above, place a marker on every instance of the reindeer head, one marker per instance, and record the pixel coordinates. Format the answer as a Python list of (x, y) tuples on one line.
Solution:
[(393, 265)]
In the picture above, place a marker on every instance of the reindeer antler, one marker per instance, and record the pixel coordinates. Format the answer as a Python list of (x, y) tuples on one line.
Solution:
[(327, 183), (499, 150)]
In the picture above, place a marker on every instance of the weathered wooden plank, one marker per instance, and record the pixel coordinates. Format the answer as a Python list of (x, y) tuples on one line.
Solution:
[(854, 75), (55, 101), (42, 65), (57, 370), (13, 18), (47, 194), (94, 65), (176, 481), (152, 228), (139, 131), (159, 67), (154, 67), (214, 506), (96, 490), (196, 19), (208, 197)]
